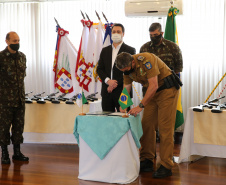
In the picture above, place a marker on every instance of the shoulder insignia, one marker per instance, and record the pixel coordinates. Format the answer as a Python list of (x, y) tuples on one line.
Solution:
[(140, 58), (148, 65)]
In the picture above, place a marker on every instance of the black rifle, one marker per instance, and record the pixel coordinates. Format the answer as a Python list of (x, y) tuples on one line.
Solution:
[(50, 96), (209, 104), (27, 99), (91, 97), (219, 108), (59, 98), (37, 96), (72, 99)]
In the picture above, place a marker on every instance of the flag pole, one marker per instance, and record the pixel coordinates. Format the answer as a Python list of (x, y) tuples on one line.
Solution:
[(125, 115), (82, 114)]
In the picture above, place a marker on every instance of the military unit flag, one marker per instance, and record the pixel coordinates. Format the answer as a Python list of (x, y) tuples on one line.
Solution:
[(124, 99)]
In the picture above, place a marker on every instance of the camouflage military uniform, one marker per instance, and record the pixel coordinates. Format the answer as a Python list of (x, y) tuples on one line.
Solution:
[(168, 52), (12, 96), (160, 110)]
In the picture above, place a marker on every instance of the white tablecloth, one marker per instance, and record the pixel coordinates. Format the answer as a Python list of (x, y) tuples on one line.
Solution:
[(189, 148), (31, 134), (120, 165)]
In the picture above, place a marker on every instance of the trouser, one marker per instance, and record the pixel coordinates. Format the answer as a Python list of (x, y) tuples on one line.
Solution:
[(161, 112), (11, 116)]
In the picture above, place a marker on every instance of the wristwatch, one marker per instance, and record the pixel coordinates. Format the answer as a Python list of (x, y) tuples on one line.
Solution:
[(141, 105)]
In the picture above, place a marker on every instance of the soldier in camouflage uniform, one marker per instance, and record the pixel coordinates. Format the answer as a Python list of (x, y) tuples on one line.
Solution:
[(167, 51), (12, 98)]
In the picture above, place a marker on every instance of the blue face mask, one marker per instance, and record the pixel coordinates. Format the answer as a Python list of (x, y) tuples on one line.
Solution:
[(14, 47)]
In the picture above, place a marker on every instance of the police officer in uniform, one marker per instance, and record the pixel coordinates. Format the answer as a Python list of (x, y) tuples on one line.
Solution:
[(161, 89), (12, 98), (167, 51)]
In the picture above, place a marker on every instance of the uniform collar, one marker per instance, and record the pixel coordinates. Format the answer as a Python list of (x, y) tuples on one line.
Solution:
[(162, 43), (8, 53)]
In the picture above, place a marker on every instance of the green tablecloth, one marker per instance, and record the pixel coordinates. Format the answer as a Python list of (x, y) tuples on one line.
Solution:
[(101, 133)]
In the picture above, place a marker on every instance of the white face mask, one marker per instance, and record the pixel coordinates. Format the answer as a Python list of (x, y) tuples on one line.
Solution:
[(117, 38)]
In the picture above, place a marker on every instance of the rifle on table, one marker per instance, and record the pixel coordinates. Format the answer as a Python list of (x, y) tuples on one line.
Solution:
[(72, 99), (91, 97), (27, 99), (50, 96), (40, 99), (219, 108), (37, 96), (59, 98), (209, 104)]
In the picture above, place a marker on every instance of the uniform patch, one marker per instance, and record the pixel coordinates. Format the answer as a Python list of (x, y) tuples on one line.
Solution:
[(148, 65), (140, 58)]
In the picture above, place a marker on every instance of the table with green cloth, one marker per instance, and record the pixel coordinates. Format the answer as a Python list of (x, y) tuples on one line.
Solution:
[(108, 147)]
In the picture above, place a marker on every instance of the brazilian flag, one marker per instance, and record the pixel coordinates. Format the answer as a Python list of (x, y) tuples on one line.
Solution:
[(124, 99), (171, 34)]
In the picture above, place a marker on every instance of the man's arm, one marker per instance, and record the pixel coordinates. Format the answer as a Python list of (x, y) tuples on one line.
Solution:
[(128, 87), (177, 55), (101, 68), (152, 88)]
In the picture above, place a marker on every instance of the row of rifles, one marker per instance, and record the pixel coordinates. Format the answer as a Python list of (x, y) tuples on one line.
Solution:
[(214, 105), (39, 98)]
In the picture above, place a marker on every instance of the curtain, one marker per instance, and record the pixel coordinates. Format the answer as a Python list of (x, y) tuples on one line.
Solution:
[(201, 32)]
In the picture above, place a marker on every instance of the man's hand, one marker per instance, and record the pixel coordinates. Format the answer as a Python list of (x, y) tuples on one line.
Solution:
[(134, 111), (121, 110), (112, 83), (110, 89)]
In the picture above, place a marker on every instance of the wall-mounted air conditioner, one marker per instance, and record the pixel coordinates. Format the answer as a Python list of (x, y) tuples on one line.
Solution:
[(136, 8)]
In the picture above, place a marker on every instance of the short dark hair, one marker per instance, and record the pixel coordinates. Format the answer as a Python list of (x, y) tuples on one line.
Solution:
[(123, 60), (155, 26), (120, 25)]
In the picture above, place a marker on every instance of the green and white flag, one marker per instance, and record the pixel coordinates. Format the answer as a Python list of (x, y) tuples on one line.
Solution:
[(81, 99)]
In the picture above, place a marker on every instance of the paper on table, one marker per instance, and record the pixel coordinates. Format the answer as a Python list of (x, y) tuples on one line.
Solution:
[(116, 114)]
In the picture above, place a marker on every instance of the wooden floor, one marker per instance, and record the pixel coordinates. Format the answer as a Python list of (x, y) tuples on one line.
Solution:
[(58, 165)]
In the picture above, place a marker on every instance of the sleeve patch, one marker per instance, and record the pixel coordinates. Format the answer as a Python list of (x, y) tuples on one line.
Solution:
[(148, 65)]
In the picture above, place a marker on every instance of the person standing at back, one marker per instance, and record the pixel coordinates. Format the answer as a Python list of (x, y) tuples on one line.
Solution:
[(169, 52), (111, 76), (12, 98)]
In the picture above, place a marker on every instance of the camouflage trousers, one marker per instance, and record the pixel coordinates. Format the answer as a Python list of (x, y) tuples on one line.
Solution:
[(11, 117)]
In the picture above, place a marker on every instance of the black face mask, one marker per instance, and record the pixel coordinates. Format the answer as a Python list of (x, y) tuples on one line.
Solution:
[(14, 47), (130, 71), (155, 40)]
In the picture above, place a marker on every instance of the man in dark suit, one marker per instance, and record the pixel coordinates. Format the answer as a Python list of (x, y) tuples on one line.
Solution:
[(111, 76)]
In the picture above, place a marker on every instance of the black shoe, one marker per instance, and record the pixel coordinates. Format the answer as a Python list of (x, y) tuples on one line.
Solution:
[(20, 157), (5, 155), (162, 172), (5, 159), (146, 166)]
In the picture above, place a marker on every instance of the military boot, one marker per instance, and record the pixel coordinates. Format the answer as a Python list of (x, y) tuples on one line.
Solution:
[(18, 155), (5, 155)]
